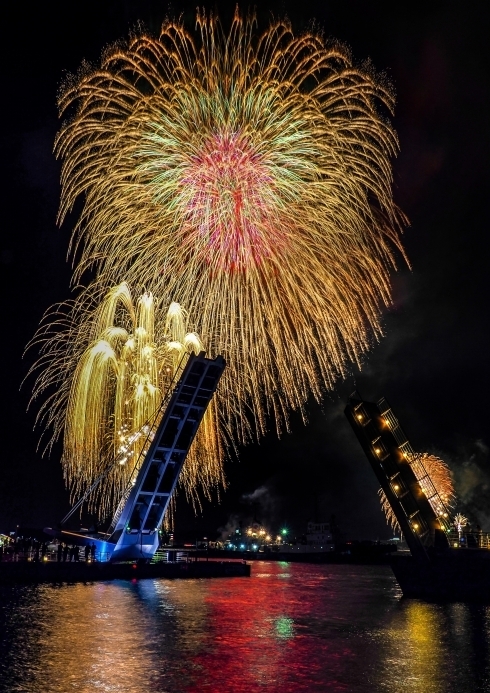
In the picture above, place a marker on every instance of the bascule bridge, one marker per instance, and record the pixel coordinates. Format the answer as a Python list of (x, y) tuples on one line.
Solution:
[(133, 533), (420, 511)]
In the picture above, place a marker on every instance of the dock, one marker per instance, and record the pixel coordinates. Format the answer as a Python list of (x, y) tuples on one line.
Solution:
[(31, 572)]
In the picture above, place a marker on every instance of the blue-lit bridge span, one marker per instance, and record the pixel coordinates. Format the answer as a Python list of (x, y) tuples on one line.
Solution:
[(133, 533)]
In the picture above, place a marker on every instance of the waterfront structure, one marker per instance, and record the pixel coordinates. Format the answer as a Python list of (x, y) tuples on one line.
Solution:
[(420, 511), (444, 564), (319, 533), (133, 533)]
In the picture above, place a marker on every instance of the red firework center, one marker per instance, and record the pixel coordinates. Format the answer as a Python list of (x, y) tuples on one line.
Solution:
[(230, 205)]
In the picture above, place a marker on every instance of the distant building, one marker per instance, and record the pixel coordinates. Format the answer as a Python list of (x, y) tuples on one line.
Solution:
[(319, 534)]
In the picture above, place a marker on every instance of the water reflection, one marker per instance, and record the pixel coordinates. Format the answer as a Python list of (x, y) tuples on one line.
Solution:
[(288, 628)]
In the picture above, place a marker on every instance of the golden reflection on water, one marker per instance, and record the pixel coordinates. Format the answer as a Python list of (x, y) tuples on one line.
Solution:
[(436, 648), (107, 636), (424, 647)]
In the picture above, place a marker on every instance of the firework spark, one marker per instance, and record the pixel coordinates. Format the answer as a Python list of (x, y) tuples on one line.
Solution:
[(246, 176), (117, 362), (460, 521), (439, 479)]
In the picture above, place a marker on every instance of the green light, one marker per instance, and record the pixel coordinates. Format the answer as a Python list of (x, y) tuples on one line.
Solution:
[(284, 628), (284, 531)]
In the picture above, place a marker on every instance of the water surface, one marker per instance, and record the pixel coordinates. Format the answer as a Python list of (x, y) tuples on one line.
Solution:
[(289, 628)]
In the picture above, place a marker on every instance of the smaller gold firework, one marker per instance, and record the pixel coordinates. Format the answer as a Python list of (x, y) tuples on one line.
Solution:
[(112, 386), (440, 478)]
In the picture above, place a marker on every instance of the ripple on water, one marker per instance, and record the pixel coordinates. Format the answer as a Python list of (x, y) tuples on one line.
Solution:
[(290, 627)]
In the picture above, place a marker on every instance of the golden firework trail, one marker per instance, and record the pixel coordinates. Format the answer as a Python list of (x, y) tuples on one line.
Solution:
[(440, 479), (246, 176), (116, 364)]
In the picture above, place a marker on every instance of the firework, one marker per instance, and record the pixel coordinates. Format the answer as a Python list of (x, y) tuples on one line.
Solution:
[(246, 176), (118, 362), (433, 474), (460, 522)]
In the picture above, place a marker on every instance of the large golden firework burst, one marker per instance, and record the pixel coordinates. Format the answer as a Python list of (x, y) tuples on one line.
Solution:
[(246, 176)]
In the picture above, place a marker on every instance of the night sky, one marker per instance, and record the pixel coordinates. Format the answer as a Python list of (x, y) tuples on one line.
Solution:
[(432, 364)]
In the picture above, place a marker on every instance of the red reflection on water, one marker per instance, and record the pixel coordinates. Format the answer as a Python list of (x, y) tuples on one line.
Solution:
[(262, 637)]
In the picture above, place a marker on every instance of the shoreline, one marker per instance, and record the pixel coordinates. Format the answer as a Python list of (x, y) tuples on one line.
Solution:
[(31, 572)]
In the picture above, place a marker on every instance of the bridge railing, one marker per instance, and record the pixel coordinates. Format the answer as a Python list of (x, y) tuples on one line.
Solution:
[(51, 556), (171, 556), (469, 539)]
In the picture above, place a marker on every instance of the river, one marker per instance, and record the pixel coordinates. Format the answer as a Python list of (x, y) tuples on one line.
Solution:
[(289, 628)]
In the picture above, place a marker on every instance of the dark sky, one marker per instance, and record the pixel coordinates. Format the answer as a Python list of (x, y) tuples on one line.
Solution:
[(432, 365)]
